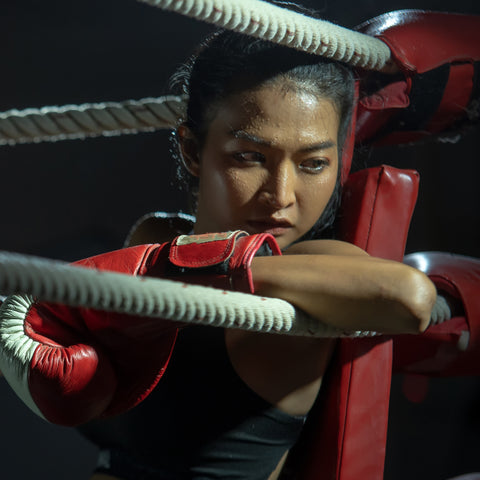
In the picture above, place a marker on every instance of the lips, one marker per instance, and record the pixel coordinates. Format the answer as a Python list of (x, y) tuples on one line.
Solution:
[(275, 227)]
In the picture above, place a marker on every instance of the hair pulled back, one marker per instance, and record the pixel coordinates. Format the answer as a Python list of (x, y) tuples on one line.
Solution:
[(227, 63)]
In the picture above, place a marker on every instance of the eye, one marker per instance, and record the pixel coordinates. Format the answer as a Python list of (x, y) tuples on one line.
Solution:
[(314, 165), (249, 157)]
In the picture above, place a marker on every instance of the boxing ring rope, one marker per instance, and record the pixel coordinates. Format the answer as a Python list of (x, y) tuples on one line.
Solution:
[(286, 27), (58, 282), (69, 122), (251, 17)]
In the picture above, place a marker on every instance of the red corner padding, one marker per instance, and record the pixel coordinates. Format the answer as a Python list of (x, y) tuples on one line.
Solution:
[(451, 348), (346, 432), (438, 55), (377, 206)]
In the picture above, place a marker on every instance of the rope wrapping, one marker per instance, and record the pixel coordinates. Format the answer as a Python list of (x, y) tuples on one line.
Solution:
[(69, 122), (286, 27), (58, 282)]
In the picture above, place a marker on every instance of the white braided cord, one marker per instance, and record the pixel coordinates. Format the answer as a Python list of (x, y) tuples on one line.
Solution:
[(58, 282), (17, 349), (34, 125), (285, 27), (15, 343)]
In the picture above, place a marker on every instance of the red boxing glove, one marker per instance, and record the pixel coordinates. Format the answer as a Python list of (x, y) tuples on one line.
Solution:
[(437, 55), (71, 365), (451, 348)]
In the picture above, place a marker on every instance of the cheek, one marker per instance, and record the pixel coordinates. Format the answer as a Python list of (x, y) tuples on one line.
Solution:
[(316, 194), (229, 189), (237, 186)]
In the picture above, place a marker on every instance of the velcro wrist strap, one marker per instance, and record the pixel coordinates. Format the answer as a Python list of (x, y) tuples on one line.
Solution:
[(223, 259), (206, 250)]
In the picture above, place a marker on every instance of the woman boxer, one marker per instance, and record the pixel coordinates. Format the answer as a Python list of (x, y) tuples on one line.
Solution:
[(260, 149)]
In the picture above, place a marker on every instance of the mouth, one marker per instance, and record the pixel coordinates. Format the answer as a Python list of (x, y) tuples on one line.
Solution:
[(273, 227)]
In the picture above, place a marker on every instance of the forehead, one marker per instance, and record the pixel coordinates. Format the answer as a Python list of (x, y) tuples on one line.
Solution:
[(280, 114)]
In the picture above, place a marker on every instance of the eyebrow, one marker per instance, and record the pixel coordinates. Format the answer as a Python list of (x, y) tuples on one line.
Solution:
[(251, 138), (242, 134)]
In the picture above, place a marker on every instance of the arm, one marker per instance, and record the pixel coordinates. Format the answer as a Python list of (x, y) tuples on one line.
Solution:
[(341, 285)]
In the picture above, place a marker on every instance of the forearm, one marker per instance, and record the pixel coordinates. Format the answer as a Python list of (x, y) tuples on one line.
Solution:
[(352, 292)]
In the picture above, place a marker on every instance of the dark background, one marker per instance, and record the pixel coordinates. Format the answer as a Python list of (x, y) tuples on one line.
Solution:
[(72, 199)]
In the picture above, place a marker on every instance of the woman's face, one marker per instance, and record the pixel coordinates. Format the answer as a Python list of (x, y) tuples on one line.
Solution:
[(269, 163)]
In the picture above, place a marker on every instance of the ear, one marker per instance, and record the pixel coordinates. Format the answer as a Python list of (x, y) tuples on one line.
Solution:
[(189, 149)]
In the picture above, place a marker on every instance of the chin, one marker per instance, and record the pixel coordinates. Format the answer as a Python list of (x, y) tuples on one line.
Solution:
[(284, 241)]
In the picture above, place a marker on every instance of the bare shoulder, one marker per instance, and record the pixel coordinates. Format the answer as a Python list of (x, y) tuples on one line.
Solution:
[(324, 247)]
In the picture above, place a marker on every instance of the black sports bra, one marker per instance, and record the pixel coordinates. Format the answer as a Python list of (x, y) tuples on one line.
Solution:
[(201, 422)]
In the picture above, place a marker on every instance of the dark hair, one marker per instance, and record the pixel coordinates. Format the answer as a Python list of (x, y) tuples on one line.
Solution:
[(228, 63)]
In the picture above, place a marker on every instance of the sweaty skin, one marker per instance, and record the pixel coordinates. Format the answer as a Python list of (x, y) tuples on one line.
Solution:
[(269, 163)]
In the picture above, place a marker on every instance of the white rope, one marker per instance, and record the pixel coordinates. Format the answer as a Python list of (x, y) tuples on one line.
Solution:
[(58, 282), (89, 120), (283, 26)]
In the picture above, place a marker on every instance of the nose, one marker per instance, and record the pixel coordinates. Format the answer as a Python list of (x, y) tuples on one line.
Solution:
[(279, 188)]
